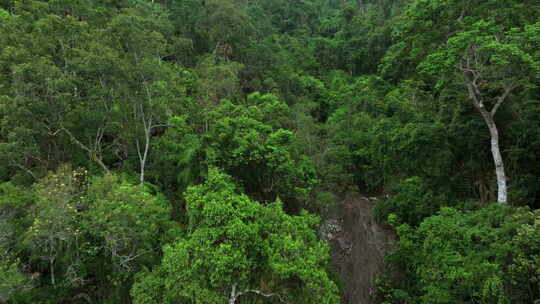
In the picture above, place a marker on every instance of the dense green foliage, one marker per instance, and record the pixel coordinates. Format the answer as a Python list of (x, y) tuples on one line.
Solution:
[(486, 256), (182, 151), (237, 245)]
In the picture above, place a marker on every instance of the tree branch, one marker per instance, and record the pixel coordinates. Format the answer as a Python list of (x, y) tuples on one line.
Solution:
[(93, 152), (26, 170), (473, 90), (75, 140), (234, 295), (503, 97), (260, 293)]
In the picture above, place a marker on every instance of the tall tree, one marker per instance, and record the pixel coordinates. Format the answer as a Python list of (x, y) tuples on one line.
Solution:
[(491, 64)]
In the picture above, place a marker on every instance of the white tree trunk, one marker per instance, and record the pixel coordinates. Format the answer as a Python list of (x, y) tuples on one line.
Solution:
[(471, 81), (502, 191), (143, 155), (51, 267), (234, 295)]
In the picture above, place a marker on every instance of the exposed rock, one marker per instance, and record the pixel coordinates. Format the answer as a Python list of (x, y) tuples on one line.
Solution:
[(359, 246)]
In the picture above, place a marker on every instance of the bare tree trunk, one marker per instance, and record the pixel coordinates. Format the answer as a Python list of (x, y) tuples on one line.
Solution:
[(234, 295), (143, 155), (502, 191), (51, 267), (476, 99), (147, 126)]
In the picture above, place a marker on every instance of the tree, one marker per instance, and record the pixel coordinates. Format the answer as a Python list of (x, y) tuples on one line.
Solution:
[(12, 281), (426, 25), (462, 257), (227, 25), (151, 90), (14, 203), (247, 141), (525, 267), (237, 248), (54, 233), (217, 80), (126, 222), (492, 64)]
